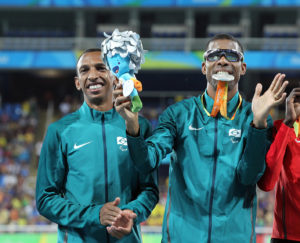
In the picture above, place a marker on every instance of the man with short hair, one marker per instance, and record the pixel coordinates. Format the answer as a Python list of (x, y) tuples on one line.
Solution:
[(86, 181), (220, 143)]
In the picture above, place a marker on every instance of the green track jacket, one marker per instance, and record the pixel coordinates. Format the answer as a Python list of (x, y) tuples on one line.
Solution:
[(85, 163), (212, 181)]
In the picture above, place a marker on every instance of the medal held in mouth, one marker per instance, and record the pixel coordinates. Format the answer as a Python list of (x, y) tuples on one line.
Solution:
[(220, 102)]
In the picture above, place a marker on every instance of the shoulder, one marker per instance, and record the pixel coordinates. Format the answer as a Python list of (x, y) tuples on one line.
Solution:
[(145, 126), (180, 106), (143, 121), (246, 106), (245, 111), (61, 124)]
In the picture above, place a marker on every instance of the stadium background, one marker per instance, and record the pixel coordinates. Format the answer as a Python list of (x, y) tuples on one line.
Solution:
[(41, 40)]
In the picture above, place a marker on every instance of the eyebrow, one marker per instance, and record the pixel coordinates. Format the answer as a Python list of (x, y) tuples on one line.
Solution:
[(83, 66), (102, 65)]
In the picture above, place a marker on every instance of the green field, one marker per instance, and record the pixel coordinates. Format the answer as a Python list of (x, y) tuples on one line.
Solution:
[(52, 238)]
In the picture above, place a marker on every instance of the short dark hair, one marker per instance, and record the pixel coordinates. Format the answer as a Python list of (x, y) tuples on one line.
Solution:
[(225, 37), (84, 52)]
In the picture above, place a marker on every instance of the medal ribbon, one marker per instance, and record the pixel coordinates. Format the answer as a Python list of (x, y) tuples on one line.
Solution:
[(297, 127), (220, 103)]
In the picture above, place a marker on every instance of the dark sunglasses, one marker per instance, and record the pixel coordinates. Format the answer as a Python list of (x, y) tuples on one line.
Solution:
[(216, 54)]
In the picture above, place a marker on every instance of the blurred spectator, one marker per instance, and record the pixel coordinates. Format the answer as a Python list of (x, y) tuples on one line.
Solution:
[(65, 106), (17, 136)]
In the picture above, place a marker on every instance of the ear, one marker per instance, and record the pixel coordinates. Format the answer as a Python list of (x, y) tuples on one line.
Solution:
[(243, 68), (204, 67), (77, 83)]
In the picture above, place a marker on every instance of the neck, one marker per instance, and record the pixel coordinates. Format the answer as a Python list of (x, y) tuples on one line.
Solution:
[(211, 91), (100, 107)]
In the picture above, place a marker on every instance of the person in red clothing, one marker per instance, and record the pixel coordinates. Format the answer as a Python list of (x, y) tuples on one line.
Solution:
[(283, 168)]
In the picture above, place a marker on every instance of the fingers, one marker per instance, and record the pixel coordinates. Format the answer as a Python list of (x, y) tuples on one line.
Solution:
[(129, 214), (126, 219), (117, 92), (274, 81), (281, 99), (109, 213), (122, 222), (278, 83), (121, 102), (294, 97), (121, 99), (292, 107), (108, 217), (283, 86), (112, 230), (279, 93), (258, 90), (122, 226), (121, 108), (294, 93), (112, 210), (108, 220), (116, 201)]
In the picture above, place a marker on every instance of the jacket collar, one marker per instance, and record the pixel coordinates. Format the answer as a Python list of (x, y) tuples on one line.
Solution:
[(231, 105), (93, 115)]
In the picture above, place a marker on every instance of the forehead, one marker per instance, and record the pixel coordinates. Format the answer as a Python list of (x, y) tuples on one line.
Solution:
[(224, 44), (90, 58)]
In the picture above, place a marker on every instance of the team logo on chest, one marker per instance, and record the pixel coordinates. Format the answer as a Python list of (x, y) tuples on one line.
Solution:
[(123, 143), (235, 135)]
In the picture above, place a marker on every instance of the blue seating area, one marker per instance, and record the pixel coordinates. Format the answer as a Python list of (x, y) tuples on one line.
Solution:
[(234, 30), (284, 35), (176, 33)]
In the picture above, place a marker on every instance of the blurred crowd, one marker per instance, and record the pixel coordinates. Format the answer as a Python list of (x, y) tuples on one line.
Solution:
[(19, 150), (17, 145)]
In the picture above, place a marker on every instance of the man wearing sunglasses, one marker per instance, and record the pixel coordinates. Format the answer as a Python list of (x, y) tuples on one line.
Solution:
[(220, 142)]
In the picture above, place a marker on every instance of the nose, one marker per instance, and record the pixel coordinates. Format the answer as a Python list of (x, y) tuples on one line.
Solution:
[(93, 74), (223, 61)]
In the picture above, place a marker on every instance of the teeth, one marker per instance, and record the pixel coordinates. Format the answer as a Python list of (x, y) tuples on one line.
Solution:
[(222, 73), (223, 76), (97, 86)]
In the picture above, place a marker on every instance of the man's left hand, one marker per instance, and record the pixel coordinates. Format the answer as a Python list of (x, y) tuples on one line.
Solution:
[(123, 224), (262, 104)]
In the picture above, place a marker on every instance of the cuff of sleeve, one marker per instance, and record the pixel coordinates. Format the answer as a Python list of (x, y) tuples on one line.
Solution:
[(139, 154), (257, 130), (286, 128), (130, 207), (95, 216), (126, 206), (133, 138), (285, 132)]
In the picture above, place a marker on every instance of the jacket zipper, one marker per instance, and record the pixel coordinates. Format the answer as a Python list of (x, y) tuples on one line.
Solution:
[(66, 237), (105, 165), (168, 217), (283, 213), (212, 190)]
